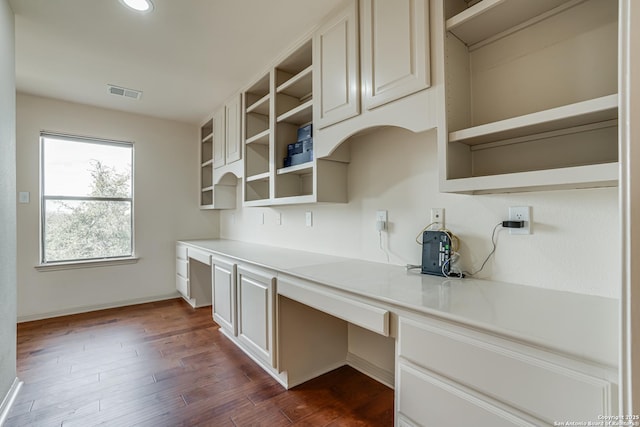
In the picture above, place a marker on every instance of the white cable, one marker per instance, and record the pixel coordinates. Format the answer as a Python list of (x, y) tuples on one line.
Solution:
[(493, 250), (381, 247)]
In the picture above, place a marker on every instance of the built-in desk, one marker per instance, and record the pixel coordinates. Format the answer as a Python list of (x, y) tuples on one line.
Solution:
[(503, 353)]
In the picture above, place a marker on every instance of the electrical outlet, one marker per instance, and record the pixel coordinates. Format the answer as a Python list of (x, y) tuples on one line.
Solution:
[(308, 219), (381, 220), (520, 213), (437, 215), (278, 218)]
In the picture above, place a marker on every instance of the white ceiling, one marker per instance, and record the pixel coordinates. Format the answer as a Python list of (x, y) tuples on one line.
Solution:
[(187, 56)]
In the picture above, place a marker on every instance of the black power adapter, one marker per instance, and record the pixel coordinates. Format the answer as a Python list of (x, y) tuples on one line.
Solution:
[(513, 224)]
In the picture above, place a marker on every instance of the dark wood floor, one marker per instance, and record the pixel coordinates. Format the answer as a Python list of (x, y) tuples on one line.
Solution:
[(166, 364)]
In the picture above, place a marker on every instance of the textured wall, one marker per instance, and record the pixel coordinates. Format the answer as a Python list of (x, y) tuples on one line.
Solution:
[(165, 206), (7, 201), (397, 170)]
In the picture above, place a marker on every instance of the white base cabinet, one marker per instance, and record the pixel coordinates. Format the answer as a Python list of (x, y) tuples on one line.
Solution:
[(256, 296), (426, 400), (193, 279), (223, 282), (446, 373), (469, 372)]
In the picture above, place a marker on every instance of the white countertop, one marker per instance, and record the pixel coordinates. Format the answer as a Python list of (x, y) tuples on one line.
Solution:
[(581, 325)]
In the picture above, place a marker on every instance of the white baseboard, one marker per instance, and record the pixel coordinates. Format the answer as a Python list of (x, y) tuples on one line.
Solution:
[(9, 399), (89, 308), (377, 373)]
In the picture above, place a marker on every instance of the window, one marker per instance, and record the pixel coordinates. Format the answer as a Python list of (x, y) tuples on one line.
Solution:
[(86, 199)]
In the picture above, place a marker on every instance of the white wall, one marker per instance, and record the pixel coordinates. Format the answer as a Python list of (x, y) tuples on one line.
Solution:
[(7, 201), (574, 245), (166, 182)]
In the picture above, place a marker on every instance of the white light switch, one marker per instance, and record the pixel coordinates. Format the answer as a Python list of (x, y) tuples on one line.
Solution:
[(308, 219), (23, 197)]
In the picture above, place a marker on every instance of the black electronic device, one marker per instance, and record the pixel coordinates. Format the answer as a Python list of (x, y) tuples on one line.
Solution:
[(436, 253)]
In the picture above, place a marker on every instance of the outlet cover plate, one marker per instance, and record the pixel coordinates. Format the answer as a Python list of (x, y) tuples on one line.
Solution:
[(520, 213), (437, 215)]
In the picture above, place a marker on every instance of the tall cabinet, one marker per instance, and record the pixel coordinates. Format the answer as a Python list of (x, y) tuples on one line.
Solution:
[(531, 95)]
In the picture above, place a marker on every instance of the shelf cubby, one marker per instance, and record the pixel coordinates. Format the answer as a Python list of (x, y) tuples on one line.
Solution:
[(527, 102), (489, 18), (598, 110), (206, 175), (298, 85), (299, 115), (301, 169), (206, 151), (260, 138), (206, 131), (257, 189), (261, 106), (257, 159), (206, 198)]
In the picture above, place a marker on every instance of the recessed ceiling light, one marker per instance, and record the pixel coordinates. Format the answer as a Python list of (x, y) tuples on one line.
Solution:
[(138, 5)]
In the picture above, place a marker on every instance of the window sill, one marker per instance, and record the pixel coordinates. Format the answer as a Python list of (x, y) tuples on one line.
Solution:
[(70, 265)]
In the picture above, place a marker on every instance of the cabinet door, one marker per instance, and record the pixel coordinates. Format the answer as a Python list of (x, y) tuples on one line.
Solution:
[(224, 294), (336, 86), (233, 127), (219, 138), (395, 49), (255, 313)]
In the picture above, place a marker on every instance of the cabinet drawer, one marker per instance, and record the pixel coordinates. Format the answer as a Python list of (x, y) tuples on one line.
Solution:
[(181, 252), (369, 317), (198, 255), (499, 369), (182, 268), (425, 400), (182, 285)]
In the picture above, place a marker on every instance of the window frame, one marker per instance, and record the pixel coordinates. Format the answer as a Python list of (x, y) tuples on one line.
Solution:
[(83, 262)]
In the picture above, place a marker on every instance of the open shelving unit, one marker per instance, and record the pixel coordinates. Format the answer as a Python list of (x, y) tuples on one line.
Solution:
[(206, 165), (257, 139), (294, 108), (531, 96), (220, 195), (276, 106)]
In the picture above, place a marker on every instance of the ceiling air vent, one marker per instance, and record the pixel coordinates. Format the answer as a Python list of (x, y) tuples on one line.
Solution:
[(122, 91)]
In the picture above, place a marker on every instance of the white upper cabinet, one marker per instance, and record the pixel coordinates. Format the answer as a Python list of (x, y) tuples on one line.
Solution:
[(227, 122), (233, 113), (531, 97), (394, 86), (336, 80), (219, 137), (395, 49)]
